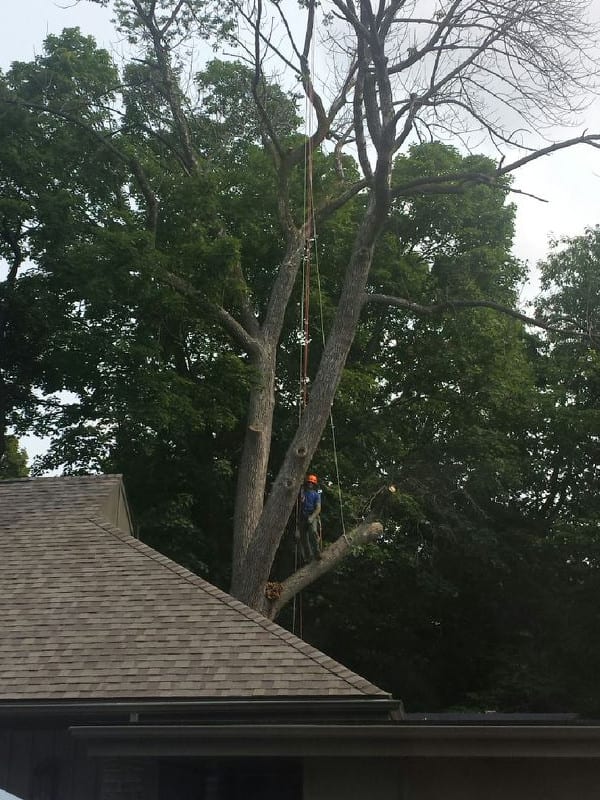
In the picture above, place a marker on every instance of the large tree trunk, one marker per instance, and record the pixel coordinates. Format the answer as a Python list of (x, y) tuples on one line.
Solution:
[(262, 547), (252, 475)]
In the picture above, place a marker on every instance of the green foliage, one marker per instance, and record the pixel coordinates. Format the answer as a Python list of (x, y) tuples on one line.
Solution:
[(466, 238), (228, 104), (483, 594), (484, 588), (13, 462)]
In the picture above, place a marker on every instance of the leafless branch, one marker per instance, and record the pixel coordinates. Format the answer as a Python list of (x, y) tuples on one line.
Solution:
[(170, 85), (363, 534), (592, 139), (329, 207), (457, 305), (228, 322)]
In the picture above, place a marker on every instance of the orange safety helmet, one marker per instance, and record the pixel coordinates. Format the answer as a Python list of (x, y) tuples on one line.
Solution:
[(312, 479)]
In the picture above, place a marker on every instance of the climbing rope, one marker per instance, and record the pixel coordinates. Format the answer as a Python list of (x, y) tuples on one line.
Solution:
[(304, 324), (304, 328), (331, 422)]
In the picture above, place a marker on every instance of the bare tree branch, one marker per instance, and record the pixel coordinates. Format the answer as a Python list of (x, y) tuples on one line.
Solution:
[(434, 183), (456, 305), (329, 207), (592, 139), (170, 85), (330, 557), (229, 323)]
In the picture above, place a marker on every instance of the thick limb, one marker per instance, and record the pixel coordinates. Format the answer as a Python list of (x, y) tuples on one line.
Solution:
[(330, 557)]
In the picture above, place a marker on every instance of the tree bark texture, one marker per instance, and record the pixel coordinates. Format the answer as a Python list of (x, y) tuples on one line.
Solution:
[(252, 474)]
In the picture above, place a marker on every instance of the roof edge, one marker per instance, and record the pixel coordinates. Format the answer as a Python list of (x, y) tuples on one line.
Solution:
[(391, 740), (355, 682), (357, 707)]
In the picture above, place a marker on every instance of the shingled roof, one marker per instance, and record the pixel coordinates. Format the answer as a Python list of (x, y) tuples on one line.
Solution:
[(88, 612)]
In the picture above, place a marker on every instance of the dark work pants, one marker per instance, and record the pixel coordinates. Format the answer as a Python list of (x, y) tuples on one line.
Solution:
[(309, 539)]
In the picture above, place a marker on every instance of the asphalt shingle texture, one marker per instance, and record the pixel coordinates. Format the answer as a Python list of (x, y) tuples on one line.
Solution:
[(88, 612)]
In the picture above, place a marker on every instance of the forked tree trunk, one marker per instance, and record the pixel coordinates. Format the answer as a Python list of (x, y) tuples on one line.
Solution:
[(261, 547)]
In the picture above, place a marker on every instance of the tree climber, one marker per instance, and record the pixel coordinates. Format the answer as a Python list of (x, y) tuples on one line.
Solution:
[(310, 509)]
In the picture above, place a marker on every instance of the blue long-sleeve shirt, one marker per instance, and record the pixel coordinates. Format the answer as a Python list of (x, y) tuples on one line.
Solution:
[(310, 499)]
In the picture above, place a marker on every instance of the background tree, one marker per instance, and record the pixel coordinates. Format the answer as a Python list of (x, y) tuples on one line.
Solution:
[(173, 231), (485, 597), (54, 179), (13, 463)]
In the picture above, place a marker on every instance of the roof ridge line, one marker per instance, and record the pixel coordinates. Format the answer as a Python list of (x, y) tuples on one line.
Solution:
[(289, 638)]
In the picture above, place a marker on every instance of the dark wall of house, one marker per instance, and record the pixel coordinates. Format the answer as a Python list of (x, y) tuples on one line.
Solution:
[(230, 779), (452, 779), (49, 764), (46, 764), (128, 779), (501, 779), (354, 779), (432, 778)]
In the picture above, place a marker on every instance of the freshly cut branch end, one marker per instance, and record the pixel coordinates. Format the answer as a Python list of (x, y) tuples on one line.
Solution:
[(273, 590)]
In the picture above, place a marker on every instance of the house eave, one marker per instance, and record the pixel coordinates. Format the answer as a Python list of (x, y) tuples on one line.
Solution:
[(391, 740), (237, 709)]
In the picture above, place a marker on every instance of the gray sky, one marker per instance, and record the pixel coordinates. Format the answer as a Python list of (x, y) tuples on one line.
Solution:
[(26, 23)]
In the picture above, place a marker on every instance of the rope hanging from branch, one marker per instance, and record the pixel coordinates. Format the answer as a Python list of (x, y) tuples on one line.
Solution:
[(304, 328)]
